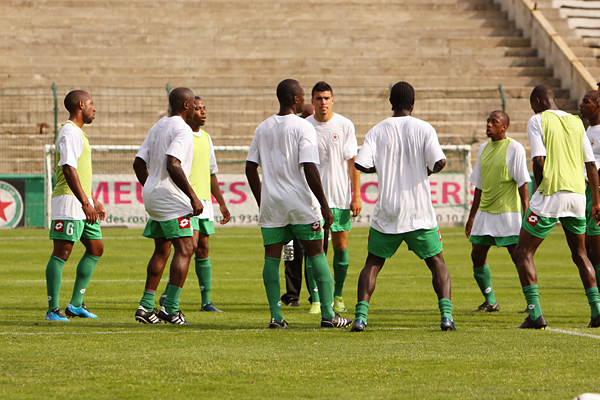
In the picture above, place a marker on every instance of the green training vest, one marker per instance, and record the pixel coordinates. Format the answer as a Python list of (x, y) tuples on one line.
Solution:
[(564, 165), (500, 193), (200, 173), (84, 169)]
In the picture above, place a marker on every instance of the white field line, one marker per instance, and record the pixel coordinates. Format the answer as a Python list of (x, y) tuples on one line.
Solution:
[(573, 333)]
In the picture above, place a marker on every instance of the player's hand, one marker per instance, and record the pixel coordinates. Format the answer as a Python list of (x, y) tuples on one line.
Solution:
[(225, 214), (356, 206), (468, 228), (197, 206), (100, 210), (91, 216), (328, 217), (596, 214)]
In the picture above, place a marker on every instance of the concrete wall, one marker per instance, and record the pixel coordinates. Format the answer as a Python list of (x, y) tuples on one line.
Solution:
[(550, 46)]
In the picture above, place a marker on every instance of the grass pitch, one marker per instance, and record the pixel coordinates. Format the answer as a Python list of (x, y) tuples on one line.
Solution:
[(402, 354)]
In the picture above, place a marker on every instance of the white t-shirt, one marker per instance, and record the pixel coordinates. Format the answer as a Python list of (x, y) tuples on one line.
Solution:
[(402, 149), (561, 203), (504, 224), (69, 144), (593, 134), (280, 146), (208, 212), (171, 136), (337, 145)]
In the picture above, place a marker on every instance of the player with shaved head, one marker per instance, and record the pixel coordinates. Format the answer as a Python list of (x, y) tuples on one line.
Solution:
[(403, 151), (500, 178), (162, 166), (590, 110), (559, 150), (75, 212), (285, 146)]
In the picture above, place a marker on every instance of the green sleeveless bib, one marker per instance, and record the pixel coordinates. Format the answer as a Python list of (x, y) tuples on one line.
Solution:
[(500, 191), (84, 169)]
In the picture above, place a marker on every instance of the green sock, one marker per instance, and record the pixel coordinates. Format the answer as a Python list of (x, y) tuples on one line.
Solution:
[(53, 280), (85, 270), (445, 306), (533, 301), (271, 280), (593, 300), (148, 300), (204, 273), (340, 269), (361, 310), (312, 284), (165, 292), (172, 301), (322, 276), (483, 276)]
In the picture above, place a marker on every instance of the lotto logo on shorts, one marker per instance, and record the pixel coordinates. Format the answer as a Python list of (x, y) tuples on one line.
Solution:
[(184, 223), (533, 219), (59, 226), (316, 226), (440, 235)]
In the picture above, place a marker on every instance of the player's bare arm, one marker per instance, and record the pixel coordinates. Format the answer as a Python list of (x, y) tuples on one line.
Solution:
[(593, 181), (72, 178), (253, 180), (356, 202), (141, 170), (524, 195), (215, 189), (439, 165), (473, 212), (178, 176), (538, 169), (313, 178)]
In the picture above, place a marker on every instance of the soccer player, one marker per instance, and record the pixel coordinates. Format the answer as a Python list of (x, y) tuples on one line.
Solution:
[(403, 151), (162, 166), (590, 109), (337, 152), (203, 180), (285, 146), (559, 149), (500, 178), (75, 213)]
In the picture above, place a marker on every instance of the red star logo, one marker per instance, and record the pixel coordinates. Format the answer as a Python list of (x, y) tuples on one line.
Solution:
[(3, 206)]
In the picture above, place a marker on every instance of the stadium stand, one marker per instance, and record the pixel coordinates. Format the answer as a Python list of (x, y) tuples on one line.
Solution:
[(455, 53)]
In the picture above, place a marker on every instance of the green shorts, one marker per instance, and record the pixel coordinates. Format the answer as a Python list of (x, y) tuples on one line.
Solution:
[(204, 225), (171, 229), (286, 233), (341, 220), (75, 230), (424, 243), (541, 226), (487, 240), (590, 225)]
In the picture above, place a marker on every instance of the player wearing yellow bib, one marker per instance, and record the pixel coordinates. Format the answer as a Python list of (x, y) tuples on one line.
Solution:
[(559, 150), (75, 213), (500, 178), (203, 180), (590, 109)]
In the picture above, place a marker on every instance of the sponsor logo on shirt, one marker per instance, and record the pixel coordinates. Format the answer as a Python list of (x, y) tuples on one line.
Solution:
[(592, 142), (316, 226), (59, 226), (533, 219), (184, 222), (335, 137)]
